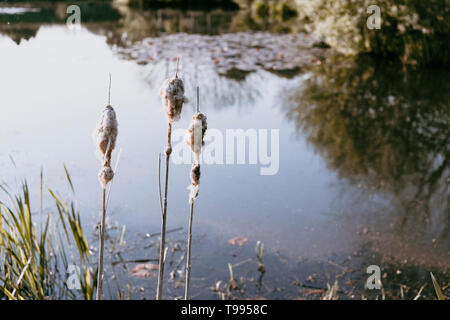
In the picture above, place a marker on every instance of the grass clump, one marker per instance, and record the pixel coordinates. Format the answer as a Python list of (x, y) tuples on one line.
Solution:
[(37, 251)]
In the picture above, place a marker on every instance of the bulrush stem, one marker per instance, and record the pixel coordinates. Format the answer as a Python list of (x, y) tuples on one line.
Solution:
[(164, 217), (102, 248), (105, 137), (188, 262), (191, 217), (197, 108)]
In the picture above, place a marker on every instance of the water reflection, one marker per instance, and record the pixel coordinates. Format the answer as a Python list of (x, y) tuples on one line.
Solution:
[(386, 127), (23, 20), (135, 23), (382, 129)]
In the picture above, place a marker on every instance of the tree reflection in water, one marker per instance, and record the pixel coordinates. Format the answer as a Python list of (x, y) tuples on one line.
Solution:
[(377, 122)]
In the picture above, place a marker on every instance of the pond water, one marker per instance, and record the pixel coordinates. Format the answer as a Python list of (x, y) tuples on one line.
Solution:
[(363, 175)]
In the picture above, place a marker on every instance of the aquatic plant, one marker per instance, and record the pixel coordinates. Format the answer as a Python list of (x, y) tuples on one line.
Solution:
[(106, 136), (437, 288), (331, 292), (36, 256), (172, 96), (194, 139)]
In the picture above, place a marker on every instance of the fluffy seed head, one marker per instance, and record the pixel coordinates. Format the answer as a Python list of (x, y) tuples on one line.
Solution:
[(105, 175), (195, 174), (195, 181), (106, 134), (172, 95), (196, 133), (168, 150)]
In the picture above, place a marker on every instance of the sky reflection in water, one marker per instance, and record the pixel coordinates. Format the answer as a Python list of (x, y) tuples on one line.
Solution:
[(343, 165)]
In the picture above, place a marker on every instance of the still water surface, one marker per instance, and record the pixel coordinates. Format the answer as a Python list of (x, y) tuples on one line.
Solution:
[(363, 153)]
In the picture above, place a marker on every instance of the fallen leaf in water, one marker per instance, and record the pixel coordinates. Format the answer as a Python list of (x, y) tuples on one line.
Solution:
[(238, 241), (144, 270), (308, 292)]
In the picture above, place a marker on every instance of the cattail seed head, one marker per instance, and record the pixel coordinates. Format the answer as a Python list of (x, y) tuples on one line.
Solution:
[(172, 95), (168, 150), (196, 133), (106, 134), (105, 138), (195, 174), (195, 181), (105, 175)]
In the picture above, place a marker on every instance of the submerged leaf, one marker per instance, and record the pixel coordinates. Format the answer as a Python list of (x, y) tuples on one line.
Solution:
[(145, 270), (238, 241)]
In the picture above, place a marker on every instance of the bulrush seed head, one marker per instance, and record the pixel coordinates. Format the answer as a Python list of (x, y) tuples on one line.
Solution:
[(172, 95), (105, 137), (105, 175), (196, 133), (106, 134), (195, 181)]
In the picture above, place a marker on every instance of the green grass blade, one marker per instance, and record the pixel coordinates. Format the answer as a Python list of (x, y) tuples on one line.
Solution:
[(437, 288)]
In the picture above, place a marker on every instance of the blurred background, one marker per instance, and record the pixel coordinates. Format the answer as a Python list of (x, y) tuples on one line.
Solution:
[(363, 116)]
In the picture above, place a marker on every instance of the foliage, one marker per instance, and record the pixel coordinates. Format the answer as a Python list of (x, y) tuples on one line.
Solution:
[(413, 31), (437, 288), (35, 255)]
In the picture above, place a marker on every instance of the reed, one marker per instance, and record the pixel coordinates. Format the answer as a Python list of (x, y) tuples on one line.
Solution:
[(34, 257), (106, 136), (172, 96), (194, 139)]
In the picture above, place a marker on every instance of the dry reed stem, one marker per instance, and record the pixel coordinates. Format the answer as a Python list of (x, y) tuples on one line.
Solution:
[(99, 293), (172, 95), (199, 119), (106, 136), (168, 151), (188, 261), (159, 183)]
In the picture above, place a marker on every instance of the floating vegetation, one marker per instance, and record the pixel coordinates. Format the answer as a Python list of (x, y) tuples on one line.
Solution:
[(245, 52)]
